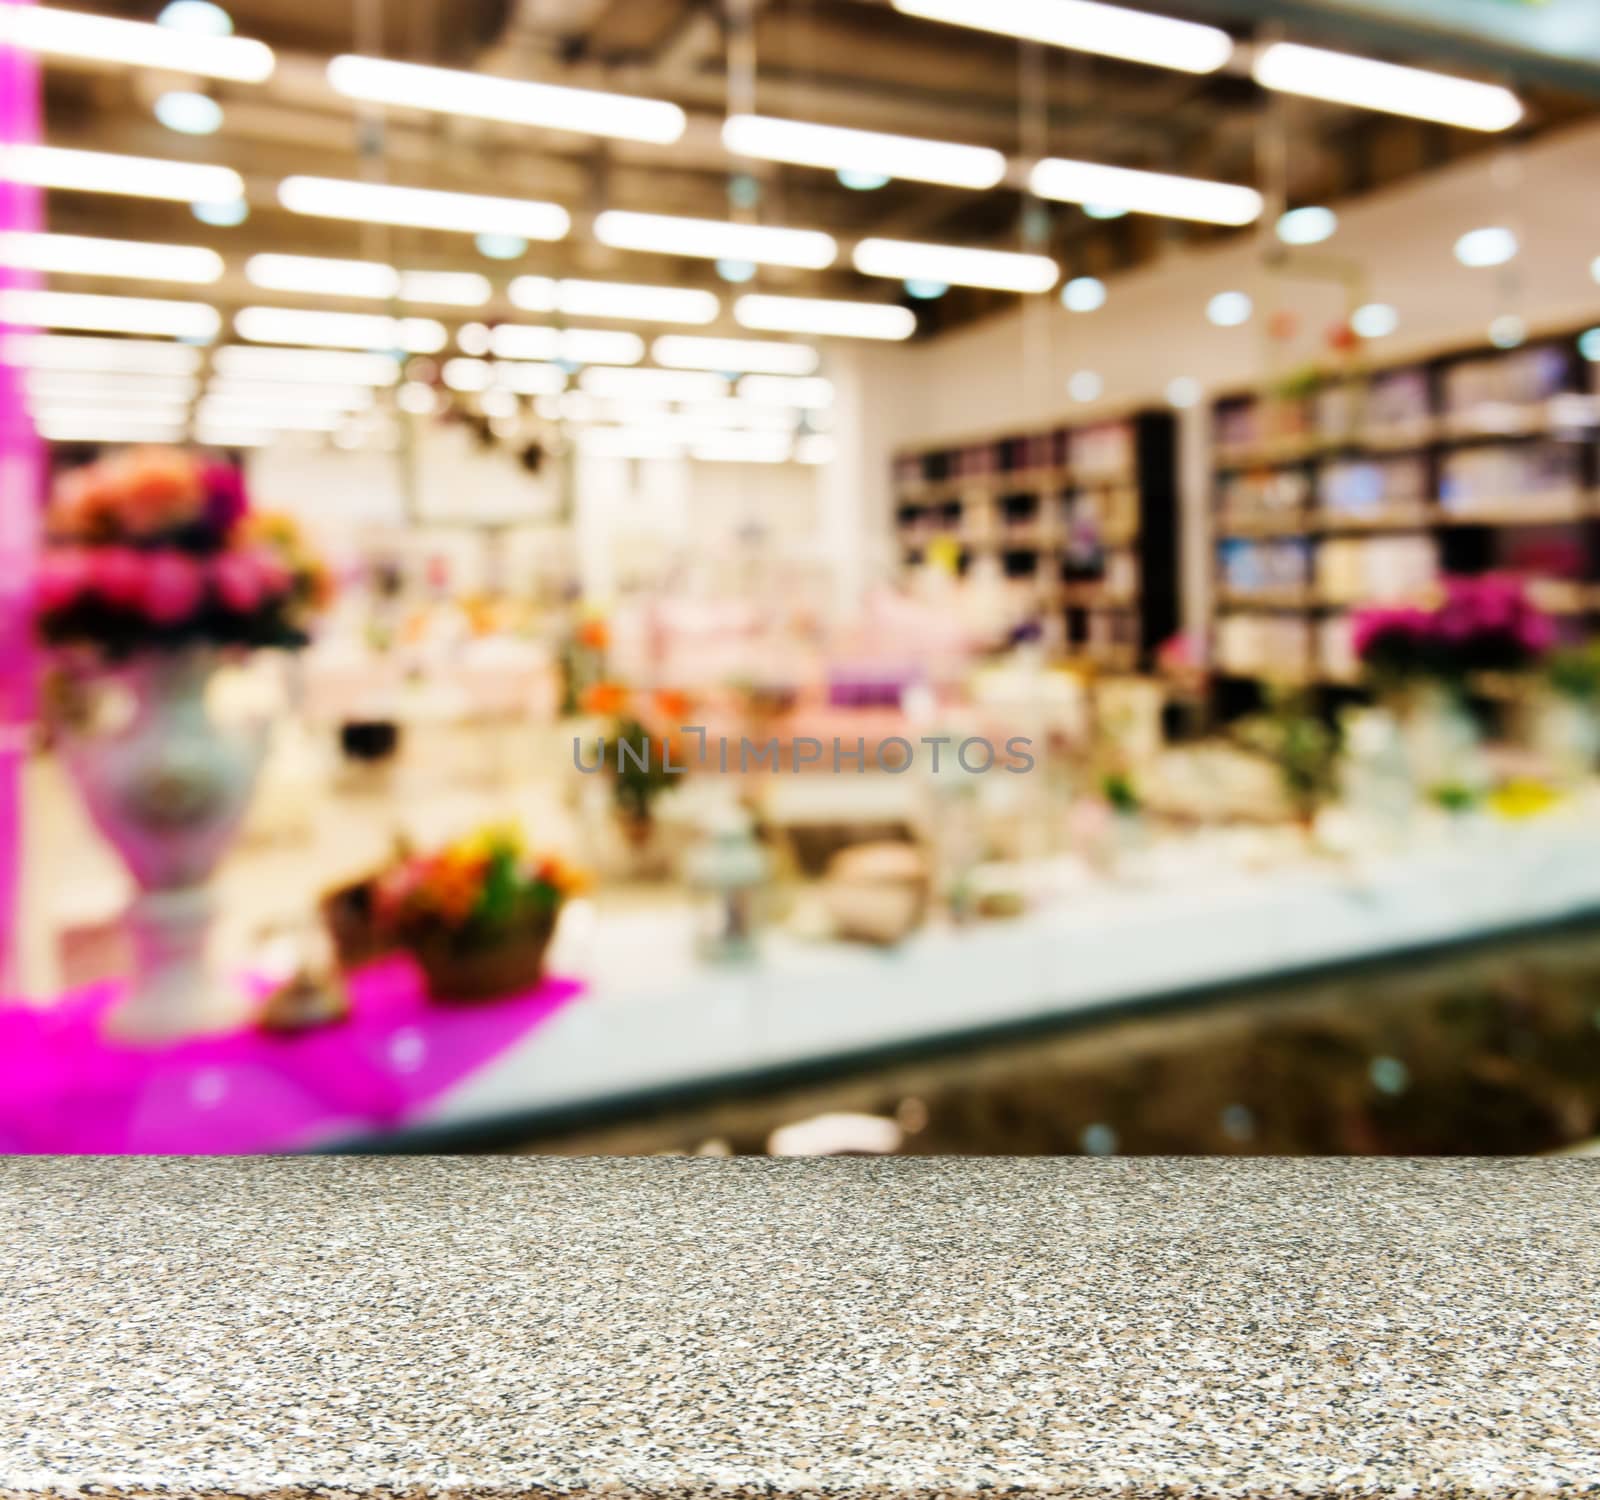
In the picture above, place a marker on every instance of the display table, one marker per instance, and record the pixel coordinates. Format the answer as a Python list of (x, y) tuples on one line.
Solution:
[(656, 1023), (1253, 1330)]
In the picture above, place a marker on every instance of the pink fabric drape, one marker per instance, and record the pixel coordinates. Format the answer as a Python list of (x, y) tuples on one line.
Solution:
[(21, 482)]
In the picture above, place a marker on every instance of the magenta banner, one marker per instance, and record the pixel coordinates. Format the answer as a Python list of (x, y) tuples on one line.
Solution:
[(21, 481)]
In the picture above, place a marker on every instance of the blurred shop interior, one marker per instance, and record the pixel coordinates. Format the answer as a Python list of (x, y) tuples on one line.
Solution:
[(800, 576)]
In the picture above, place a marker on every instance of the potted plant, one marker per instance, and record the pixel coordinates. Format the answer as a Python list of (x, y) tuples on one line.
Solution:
[(477, 915), (641, 757), (1424, 659), (1302, 746), (1566, 718), (154, 571)]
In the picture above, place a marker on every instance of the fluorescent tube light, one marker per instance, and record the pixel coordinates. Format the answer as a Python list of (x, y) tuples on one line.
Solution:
[(179, 320), (130, 176), (624, 442), (615, 299), (837, 149), (1145, 192), (52, 351), (339, 330), (652, 385), (81, 255), (1004, 270), (584, 346), (109, 427), (1361, 81), (325, 277), (525, 379), (813, 393), (814, 448), (732, 411), (288, 418), (108, 385), (66, 33), (275, 393), (422, 208), (219, 436), (1491, 246), (688, 352), (445, 288), (509, 100), (300, 365), (743, 448), (468, 374), (851, 320), (716, 239), (1085, 26)]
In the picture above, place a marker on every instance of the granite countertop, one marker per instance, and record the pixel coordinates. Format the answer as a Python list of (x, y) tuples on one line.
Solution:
[(677, 1327)]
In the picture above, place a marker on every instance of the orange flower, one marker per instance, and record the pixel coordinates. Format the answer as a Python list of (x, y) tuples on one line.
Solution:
[(673, 706), (557, 872), (605, 699), (594, 635)]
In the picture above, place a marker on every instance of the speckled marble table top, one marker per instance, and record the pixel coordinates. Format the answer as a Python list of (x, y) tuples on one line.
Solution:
[(906, 1328)]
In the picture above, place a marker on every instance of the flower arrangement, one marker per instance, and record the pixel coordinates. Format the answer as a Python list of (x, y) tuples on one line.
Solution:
[(1479, 624), (477, 915), (157, 549), (640, 775)]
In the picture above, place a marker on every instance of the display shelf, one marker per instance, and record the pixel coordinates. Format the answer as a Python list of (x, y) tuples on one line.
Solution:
[(1083, 517), (1362, 487)]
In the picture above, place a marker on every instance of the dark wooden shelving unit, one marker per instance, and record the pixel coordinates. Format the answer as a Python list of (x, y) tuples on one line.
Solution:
[(1367, 485), (1082, 519)]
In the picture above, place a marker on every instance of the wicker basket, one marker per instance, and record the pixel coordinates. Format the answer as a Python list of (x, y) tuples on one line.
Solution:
[(510, 966)]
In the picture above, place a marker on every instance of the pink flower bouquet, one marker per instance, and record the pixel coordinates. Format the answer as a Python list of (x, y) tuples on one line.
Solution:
[(1479, 624), (156, 549)]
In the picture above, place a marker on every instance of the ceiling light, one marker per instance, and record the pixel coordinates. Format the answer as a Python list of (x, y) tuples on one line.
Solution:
[(532, 379), (98, 385), (736, 271), (417, 399), (468, 374), (337, 367), (625, 442), (1589, 345), (862, 182), (653, 385), (1307, 226), (856, 320), (924, 290), (687, 352), (109, 427), (422, 208), (1374, 320), (1161, 193), (325, 277), (1083, 294), (716, 239), (274, 393), (615, 299), (863, 152), (287, 418), (189, 113), (1507, 331), (445, 288), (179, 320), (810, 393), (1104, 211), (1085, 385), (80, 255), (501, 246), (584, 346), (1085, 26), (219, 436), (50, 351), (200, 17), (67, 33), (221, 215), (339, 330), (1002, 269), (1229, 309), (742, 448), (1493, 246), (735, 411), (102, 172), (1184, 391), (483, 97), (1361, 81)]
